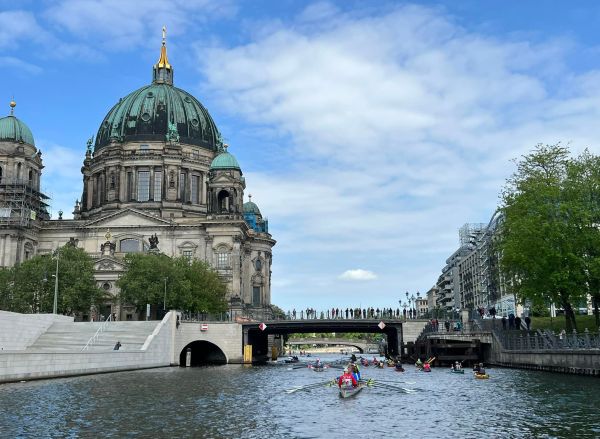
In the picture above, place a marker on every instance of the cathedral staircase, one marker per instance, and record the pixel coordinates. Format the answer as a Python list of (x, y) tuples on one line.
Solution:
[(73, 336)]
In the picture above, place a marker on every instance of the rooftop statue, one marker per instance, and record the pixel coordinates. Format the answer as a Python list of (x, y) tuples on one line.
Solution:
[(172, 134)]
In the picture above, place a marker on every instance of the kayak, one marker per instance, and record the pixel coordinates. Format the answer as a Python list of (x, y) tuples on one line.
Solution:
[(349, 391), (457, 371), (482, 376)]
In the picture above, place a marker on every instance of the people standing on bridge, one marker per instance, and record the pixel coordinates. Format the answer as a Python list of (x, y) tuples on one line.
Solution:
[(294, 313), (117, 346), (504, 322), (447, 325), (528, 322), (518, 323), (511, 321)]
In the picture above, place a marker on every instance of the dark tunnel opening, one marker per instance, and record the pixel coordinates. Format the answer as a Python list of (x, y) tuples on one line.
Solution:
[(202, 353)]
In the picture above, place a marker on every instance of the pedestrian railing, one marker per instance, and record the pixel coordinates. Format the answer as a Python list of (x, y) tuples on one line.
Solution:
[(547, 340), (94, 338)]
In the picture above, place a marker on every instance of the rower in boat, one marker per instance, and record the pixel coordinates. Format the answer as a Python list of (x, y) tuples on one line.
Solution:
[(419, 364), (426, 367), (355, 370), (398, 366), (347, 379)]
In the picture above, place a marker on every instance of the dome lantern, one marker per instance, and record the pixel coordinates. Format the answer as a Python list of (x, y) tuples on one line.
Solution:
[(162, 72)]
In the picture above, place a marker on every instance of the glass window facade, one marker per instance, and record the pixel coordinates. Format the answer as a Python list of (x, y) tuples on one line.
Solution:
[(195, 189), (222, 260), (255, 295), (143, 192), (157, 185)]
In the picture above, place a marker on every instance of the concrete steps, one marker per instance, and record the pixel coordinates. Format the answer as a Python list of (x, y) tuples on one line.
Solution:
[(65, 337)]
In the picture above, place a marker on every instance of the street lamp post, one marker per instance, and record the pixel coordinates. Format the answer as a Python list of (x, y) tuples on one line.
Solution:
[(165, 297), (55, 307)]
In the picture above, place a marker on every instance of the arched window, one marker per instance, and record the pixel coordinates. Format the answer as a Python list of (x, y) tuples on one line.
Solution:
[(223, 201), (129, 245), (30, 176), (223, 258), (258, 264)]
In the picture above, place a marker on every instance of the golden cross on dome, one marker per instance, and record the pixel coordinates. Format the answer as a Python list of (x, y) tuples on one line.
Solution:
[(164, 32), (250, 196)]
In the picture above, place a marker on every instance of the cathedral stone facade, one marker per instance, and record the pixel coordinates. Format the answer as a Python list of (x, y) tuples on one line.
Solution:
[(157, 178)]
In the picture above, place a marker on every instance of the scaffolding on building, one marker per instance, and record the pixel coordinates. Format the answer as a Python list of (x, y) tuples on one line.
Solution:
[(21, 203), (470, 233)]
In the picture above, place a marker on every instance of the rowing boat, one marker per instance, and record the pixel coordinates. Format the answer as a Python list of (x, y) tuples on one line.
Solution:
[(457, 371), (349, 391), (482, 376)]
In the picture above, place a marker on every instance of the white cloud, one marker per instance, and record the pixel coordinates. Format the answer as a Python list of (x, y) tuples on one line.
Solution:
[(118, 24), (358, 274), (396, 128), (62, 168)]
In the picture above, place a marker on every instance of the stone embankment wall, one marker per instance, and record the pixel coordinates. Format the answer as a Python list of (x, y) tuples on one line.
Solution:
[(19, 331), (26, 365), (575, 361)]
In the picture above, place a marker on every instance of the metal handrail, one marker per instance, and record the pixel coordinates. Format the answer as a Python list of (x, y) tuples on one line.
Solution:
[(95, 337)]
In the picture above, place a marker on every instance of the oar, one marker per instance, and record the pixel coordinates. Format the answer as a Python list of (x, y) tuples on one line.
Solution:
[(308, 386), (390, 387), (394, 382)]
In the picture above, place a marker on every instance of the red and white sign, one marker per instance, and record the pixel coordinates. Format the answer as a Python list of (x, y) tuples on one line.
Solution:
[(204, 327), (381, 325), (262, 326)]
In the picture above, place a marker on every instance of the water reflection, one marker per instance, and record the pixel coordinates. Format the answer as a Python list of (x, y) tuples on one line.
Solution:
[(249, 402)]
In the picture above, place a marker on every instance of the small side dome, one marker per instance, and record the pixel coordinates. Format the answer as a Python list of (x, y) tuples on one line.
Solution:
[(14, 130), (251, 207), (225, 160)]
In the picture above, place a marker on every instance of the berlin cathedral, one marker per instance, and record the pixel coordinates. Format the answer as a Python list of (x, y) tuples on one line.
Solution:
[(157, 177)]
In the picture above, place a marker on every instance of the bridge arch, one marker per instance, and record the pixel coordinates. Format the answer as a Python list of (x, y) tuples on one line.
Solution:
[(203, 353)]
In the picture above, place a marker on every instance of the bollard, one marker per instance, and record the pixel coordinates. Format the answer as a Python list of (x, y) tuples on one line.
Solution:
[(188, 357)]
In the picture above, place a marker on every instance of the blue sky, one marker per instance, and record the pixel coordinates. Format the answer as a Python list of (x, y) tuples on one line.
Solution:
[(368, 132)]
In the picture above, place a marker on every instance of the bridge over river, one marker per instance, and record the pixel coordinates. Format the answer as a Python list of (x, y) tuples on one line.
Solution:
[(226, 342)]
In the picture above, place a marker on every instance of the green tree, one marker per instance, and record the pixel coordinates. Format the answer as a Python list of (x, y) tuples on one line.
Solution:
[(540, 240), (144, 280), (178, 283), (30, 285), (583, 185)]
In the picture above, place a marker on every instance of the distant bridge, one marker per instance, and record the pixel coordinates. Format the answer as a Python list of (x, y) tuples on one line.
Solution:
[(361, 345)]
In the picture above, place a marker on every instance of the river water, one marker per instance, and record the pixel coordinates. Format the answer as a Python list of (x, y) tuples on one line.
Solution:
[(236, 401)]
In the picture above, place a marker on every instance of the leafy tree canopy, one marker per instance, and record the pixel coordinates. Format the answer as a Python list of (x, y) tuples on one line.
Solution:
[(549, 240), (177, 283), (29, 286)]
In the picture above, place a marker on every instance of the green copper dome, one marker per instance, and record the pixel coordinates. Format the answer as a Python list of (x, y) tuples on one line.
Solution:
[(13, 129), (145, 115), (251, 207), (225, 161)]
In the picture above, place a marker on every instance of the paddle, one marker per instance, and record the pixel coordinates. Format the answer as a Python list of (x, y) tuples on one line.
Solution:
[(390, 387), (394, 382), (308, 386)]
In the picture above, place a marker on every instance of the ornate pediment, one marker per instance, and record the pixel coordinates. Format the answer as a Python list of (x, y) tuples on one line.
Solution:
[(126, 218), (109, 264)]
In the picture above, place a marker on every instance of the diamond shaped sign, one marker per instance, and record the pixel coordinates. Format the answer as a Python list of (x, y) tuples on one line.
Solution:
[(262, 326), (381, 325)]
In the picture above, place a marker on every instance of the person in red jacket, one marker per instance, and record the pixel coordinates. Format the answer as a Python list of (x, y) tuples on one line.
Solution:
[(347, 378)]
